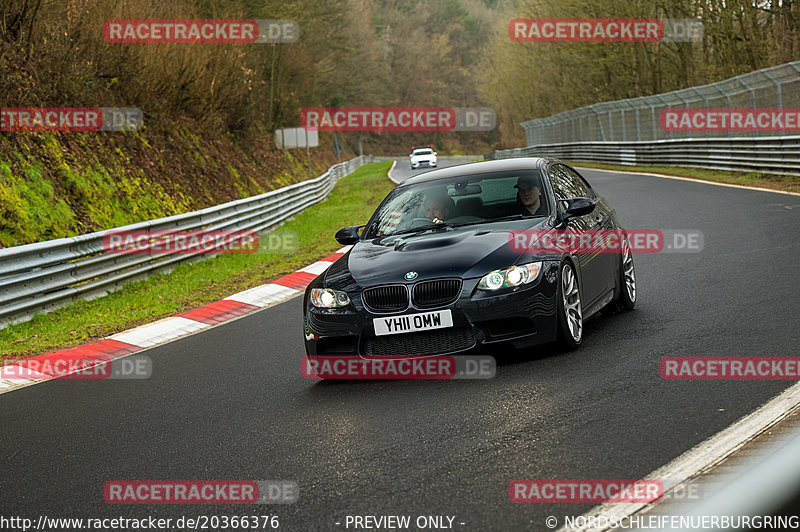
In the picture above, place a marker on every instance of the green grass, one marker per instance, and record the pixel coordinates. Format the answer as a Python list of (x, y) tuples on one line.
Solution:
[(29, 207), (46, 196), (748, 179), (192, 285)]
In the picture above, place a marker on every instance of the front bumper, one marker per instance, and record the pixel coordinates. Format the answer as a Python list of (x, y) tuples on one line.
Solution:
[(420, 164), (524, 317)]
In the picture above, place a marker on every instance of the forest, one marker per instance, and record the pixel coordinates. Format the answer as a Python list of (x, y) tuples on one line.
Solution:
[(361, 53)]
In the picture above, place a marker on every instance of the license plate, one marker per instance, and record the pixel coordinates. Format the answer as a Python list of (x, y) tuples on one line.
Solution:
[(424, 321)]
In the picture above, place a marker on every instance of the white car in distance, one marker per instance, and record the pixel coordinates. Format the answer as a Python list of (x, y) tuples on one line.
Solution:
[(422, 156)]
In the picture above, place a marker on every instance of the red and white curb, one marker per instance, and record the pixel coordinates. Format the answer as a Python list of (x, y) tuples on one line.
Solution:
[(160, 332)]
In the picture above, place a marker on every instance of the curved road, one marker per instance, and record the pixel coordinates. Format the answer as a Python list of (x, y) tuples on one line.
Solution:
[(402, 169), (230, 403)]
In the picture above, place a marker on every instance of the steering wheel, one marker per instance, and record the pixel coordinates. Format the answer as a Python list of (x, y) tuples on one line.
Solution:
[(416, 222)]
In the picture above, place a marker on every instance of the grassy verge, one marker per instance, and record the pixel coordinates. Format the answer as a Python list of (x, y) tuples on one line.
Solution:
[(191, 285), (785, 183), (61, 184)]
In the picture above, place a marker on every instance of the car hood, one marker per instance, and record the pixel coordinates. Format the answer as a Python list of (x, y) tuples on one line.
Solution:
[(466, 252)]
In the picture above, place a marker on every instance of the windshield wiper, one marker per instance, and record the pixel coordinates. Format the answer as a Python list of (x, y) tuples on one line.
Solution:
[(448, 224), (500, 219), (509, 217), (513, 217), (420, 229)]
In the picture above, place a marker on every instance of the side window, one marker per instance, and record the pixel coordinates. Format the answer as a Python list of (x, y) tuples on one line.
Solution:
[(562, 187), (568, 184), (578, 181), (402, 208)]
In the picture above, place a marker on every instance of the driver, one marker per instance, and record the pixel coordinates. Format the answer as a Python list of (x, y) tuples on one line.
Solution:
[(529, 197), (439, 207)]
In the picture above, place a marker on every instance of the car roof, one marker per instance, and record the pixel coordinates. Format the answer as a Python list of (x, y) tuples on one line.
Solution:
[(518, 163)]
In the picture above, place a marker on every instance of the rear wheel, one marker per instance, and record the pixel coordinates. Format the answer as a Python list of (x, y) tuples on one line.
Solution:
[(570, 311), (627, 279)]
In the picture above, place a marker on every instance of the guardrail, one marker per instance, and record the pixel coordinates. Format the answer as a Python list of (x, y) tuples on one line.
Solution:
[(42, 276), (772, 155)]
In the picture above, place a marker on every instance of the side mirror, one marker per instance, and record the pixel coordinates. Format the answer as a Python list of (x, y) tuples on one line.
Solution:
[(435, 153), (348, 235), (578, 207)]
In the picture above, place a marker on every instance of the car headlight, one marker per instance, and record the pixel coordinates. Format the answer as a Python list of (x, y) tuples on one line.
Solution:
[(509, 277), (329, 298)]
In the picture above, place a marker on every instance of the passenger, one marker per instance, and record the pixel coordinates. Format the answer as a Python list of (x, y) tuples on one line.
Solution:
[(529, 197), (439, 208)]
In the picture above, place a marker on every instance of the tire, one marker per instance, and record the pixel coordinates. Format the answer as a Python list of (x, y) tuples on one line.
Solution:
[(570, 309), (627, 279)]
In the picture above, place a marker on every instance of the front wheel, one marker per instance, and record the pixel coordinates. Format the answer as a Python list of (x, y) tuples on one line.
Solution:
[(570, 311), (627, 279)]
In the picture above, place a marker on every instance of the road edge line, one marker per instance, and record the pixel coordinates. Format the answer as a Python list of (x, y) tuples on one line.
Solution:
[(389, 173)]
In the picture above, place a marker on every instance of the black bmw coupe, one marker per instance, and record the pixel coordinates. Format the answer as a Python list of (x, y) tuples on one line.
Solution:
[(437, 270)]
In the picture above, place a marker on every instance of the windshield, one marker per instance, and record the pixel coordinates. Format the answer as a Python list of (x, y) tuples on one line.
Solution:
[(459, 200), (422, 152)]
